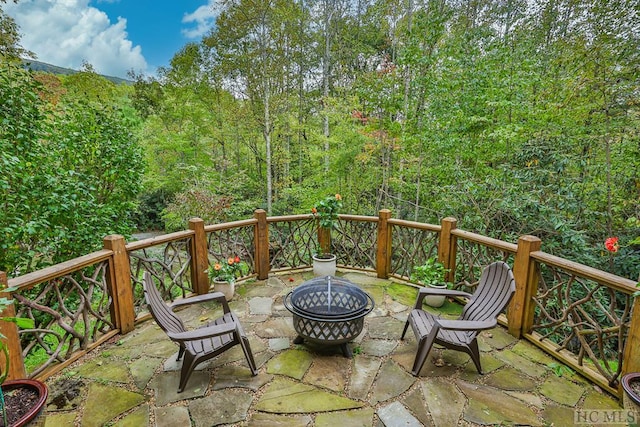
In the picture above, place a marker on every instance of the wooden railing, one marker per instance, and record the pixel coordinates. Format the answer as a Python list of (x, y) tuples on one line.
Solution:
[(580, 315)]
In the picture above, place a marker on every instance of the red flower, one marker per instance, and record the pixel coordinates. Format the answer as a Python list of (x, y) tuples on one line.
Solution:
[(236, 259), (612, 244), (291, 279), (314, 211)]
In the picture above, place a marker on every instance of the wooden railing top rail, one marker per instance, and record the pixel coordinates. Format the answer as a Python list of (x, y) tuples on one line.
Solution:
[(31, 279), (360, 218), (302, 217), (228, 225), (153, 241), (487, 241), (285, 218), (618, 283), (414, 224)]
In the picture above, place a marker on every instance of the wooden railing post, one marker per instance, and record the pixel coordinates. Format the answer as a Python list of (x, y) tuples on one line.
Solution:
[(11, 338), (119, 284), (525, 273), (199, 257), (447, 247), (261, 242), (324, 239), (631, 355), (383, 251)]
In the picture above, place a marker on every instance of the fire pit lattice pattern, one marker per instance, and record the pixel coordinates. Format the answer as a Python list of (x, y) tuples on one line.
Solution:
[(328, 310)]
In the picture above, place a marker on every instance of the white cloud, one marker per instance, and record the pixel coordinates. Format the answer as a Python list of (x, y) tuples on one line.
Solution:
[(204, 19), (67, 32)]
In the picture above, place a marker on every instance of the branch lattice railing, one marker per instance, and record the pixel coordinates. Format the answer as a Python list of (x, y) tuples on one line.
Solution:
[(70, 306), (292, 241), (582, 316), (355, 242), (230, 240), (168, 259), (473, 252), (412, 243)]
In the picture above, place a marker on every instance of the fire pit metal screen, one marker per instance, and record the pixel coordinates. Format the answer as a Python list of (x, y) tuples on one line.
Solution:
[(328, 310)]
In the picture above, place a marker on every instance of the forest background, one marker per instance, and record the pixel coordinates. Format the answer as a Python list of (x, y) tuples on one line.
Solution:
[(515, 117)]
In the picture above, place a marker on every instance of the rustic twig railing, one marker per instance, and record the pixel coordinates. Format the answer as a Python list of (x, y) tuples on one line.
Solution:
[(580, 315)]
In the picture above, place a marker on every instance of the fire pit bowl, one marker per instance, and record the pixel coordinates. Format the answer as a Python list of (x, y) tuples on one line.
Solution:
[(328, 311)]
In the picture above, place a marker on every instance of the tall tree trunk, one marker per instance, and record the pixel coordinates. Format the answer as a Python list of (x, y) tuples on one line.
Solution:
[(325, 81), (302, 69), (407, 69), (267, 141)]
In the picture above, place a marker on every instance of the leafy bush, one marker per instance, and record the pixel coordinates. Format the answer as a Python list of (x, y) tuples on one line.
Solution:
[(430, 273), (71, 173)]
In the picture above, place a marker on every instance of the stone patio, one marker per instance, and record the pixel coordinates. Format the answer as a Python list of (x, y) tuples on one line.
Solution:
[(132, 381)]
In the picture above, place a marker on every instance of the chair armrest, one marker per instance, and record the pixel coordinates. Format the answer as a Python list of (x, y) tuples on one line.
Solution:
[(466, 325), (213, 296), (201, 333), (423, 292)]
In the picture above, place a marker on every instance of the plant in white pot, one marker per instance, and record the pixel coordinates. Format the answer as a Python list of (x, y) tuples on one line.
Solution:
[(326, 212), (223, 275), (22, 401), (432, 274)]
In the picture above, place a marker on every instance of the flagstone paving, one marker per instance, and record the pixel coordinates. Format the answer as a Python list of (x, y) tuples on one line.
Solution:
[(133, 380)]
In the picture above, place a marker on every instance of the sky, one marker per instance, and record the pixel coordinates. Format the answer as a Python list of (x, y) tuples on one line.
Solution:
[(114, 36)]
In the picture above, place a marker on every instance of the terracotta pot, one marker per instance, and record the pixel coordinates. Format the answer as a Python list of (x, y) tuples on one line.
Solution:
[(36, 416), (630, 399), (324, 265), (227, 288)]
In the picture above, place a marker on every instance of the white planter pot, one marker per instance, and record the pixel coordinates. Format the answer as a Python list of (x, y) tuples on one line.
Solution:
[(435, 300), (324, 265), (228, 289)]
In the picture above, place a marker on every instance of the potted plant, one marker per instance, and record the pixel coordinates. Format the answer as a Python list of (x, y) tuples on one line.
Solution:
[(326, 212), (223, 275), (431, 274), (631, 386), (22, 401)]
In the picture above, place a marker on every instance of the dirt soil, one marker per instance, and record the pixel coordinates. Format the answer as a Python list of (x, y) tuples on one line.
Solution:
[(18, 402)]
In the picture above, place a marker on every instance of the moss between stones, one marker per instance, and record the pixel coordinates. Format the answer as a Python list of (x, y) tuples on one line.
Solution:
[(284, 396), (292, 363), (402, 293)]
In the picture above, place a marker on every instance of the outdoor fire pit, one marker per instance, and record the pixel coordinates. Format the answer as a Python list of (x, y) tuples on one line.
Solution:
[(328, 311)]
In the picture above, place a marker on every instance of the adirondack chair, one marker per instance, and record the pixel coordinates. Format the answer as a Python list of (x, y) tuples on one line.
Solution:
[(203, 343), (494, 291)]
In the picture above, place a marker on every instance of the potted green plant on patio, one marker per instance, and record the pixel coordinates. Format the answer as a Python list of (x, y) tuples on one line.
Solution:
[(22, 401), (431, 274), (223, 275), (326, 212)]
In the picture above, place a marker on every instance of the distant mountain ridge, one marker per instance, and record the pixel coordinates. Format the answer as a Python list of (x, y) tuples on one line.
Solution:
[(33, 65)]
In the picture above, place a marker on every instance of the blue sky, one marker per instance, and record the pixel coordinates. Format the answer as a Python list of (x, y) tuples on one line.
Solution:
[(113, 35)]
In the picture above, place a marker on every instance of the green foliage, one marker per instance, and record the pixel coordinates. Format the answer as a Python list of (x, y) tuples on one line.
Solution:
[(514, 117), (10, 49), (196, 202), (327, 210), (559, 369), (432, 272), (228, 270), (149, 210), (71, 173)]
